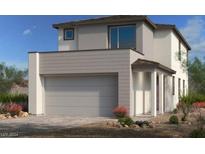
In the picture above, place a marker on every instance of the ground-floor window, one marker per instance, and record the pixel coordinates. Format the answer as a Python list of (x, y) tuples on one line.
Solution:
[(173, 85), (179, 87), (183, 87)]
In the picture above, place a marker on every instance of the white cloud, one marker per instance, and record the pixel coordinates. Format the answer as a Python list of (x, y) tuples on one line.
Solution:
[(194, 32), (27, 32)]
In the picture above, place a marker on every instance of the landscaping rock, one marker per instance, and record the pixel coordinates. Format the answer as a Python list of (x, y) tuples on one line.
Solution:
[(109, 123), (126, 126), (151, 125), (2, 116), (119, 125), (23, 114), (142, 124), (7, 115), (15, 116), (134, 126)]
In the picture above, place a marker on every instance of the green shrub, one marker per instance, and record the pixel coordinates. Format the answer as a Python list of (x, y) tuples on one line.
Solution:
[(185, 104), (17, 98), (175, 111), (198, 133), (21, 99), (173, 120), (126, 121), (192, 97)]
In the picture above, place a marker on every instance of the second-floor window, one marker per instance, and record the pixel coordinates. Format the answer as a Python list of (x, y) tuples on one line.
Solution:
[(179, 52), (69, 34), (122, 36)]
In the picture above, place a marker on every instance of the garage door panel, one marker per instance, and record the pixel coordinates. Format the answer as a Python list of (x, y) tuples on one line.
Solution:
[(90, 81), (73, 101), (81, 95), (82, 91), (56, 110)]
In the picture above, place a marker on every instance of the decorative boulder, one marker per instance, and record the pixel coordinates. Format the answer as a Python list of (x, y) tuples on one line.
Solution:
[(15, 116), (142, 124), (7, 115), (23, 114), (2, 116)]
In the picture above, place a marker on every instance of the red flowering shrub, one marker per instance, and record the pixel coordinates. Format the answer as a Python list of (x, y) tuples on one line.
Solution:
[(120, 111), (199, 104), (13, 108)]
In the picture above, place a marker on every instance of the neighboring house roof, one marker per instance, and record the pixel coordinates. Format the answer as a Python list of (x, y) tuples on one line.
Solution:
[(140, 63), (122, 19)]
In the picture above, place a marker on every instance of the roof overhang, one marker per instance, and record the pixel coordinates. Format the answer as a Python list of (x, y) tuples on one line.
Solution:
[(106, 20), (141, 63)]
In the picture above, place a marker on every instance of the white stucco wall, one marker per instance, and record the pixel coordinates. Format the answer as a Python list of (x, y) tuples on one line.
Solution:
[(147, 41), (92, 37), (36, 90), (96, 37), (162, 47), (177, 66), (67, 44)]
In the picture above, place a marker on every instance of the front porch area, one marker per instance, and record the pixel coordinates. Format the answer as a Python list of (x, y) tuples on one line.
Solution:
[(152, 88)]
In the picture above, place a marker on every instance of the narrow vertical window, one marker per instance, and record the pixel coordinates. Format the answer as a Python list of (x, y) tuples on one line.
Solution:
[(183, 87), (179, 87), (173, 85), (179, 52)]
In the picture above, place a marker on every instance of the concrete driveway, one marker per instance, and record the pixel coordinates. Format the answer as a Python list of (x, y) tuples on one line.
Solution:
[(22, 127)]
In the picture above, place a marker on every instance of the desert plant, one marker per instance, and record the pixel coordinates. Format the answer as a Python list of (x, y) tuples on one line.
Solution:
[(2, 109), (173, 119), (120, 111), (199, 104), (17, 98), (198, 133), (21, 99), (175, 111), (12, 108), (126, 121), (185, 105)]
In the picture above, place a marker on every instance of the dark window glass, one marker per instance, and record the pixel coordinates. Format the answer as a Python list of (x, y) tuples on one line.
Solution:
[(179, 52), (127, 37), (69, 34), (123, 36), (173, 85), (179, 87), (183, 87), (113, 37)]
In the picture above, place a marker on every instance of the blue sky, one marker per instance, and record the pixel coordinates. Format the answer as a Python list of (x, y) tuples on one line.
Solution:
[(20, 34)]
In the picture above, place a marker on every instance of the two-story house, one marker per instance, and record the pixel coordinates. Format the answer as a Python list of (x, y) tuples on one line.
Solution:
[(107, 62)]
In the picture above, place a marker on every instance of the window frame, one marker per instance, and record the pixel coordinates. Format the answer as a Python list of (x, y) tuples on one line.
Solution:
[(64, 34), (118, 43)]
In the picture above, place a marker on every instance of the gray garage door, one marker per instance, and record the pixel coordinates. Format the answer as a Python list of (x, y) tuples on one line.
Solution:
[(94, 95)]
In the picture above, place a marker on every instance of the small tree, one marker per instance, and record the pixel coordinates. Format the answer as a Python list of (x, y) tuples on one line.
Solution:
[(10, 75), (185, 105)]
